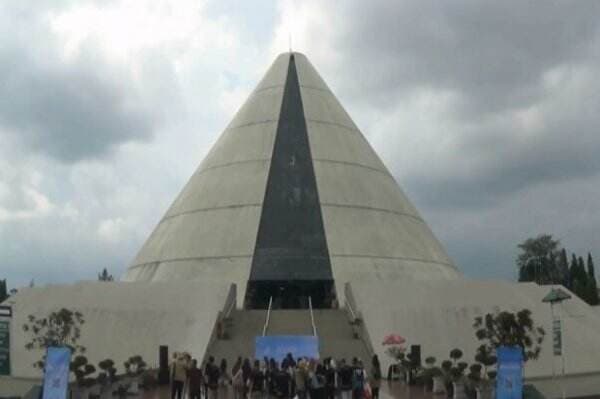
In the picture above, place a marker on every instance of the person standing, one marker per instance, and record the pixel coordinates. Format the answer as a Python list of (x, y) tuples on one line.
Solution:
[(178, 376), (375, 377), (330, 379), (300, 376), (359, 377), (237, 380), (195, 378), (317, 382), (257, 381), (212, 378), (345, 379), (224, 380)]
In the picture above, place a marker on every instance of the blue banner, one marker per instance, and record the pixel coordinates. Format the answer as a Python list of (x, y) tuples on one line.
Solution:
[(278, 346), (509, 380), (56, 375)]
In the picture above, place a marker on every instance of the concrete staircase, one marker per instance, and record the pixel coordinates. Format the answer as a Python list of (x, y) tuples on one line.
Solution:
[(337, 337), (242, 328)]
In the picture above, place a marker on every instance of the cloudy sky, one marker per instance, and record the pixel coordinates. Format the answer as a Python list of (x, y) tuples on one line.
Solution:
[(487, 114)]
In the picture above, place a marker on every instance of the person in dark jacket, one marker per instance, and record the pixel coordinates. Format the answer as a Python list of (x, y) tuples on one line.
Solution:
[(345, 373), (195, 379), (257, 381), (375, 377), (246, 376), (212, 375), (330, 377)]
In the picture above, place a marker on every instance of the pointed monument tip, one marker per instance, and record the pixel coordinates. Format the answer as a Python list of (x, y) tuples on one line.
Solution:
[(290, 53)]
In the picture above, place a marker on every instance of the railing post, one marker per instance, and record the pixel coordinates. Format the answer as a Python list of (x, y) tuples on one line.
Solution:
[(268, 317), (312, 316)]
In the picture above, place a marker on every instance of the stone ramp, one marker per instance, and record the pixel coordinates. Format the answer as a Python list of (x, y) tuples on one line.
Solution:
[(336, 336)]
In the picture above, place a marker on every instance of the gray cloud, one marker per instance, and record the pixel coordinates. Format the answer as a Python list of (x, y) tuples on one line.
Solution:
[(496, 64), (493, 54), (67, 109)]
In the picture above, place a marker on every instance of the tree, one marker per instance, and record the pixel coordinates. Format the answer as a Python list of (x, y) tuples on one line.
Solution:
[(135, 365), (104, 276), (563, 268), (509, 329), (534, 260), (82, 369), (3, 291), (61, 328), (485, 355), (592, 283), (109, 371), (578, 277)]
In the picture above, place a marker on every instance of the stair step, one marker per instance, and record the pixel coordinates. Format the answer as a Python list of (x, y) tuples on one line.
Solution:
[(336, 336)]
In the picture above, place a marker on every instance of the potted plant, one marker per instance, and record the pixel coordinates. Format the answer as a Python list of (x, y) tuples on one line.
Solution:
[(108, 375), (432, 376), (148, 380), (458, 385), (134, 367), (454, 374), (486, 357), (396, 352), (82, 370), (473, 380), (447, 377)]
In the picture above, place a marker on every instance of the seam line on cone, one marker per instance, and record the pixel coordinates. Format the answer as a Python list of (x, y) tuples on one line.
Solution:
[(183, 259), (371, 208), (225, 165), (393, 257), (214, 208), (359, 165)]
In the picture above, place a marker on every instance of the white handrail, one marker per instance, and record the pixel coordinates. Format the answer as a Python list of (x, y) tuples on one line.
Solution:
[(268, 316), (312, 316), (232, 298), (350, 303), (351, 309)]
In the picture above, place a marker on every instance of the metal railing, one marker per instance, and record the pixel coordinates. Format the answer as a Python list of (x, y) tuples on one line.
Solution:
[(312, 316), (358, 327), (268, 317), (231, 302)]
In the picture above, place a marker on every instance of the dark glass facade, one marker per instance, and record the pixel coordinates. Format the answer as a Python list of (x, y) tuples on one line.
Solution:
[(291, 245)]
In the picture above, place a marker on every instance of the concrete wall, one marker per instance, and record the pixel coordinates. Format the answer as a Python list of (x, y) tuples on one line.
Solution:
[(123, 319), (439, 316)]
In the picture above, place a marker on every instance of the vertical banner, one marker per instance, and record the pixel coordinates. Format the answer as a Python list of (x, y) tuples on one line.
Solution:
[(556, 337), (4, 347), (56, 375), (278, 346), (509, 380)]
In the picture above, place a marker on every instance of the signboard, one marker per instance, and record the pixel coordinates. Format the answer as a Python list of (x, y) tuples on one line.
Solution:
[(278, 346), (556, 337), (509, 380), (56, 376), (4, 347)]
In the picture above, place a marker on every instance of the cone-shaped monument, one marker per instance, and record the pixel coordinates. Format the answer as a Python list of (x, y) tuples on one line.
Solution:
[(291, 199)]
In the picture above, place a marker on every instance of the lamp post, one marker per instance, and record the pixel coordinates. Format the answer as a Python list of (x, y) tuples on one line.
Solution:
[(556, 295)]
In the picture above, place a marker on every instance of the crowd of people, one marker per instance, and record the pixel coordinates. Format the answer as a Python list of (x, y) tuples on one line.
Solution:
[(261, 379)]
